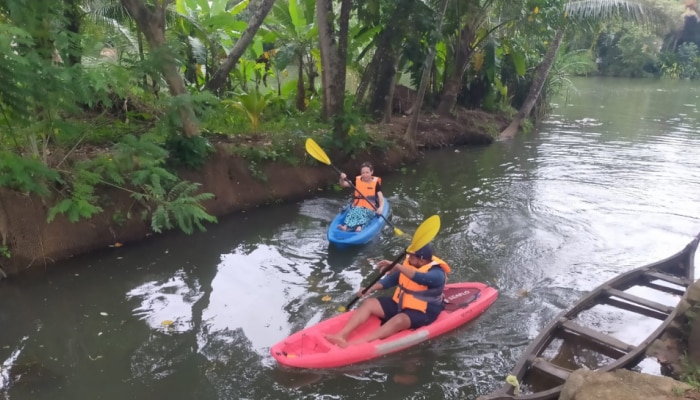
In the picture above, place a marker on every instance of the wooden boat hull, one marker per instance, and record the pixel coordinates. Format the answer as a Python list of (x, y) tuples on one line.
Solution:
[(309, 348), (671, 276), (343, 239)]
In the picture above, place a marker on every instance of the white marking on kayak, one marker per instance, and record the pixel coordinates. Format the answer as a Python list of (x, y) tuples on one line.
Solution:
[(406, 341)]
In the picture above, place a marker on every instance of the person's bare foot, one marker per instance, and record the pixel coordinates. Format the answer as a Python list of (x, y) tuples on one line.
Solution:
[(337, 340), (358, 229), (342, 227)]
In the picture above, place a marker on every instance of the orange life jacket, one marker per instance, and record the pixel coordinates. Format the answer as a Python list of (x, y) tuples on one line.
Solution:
[(369, 190), (410, 294)]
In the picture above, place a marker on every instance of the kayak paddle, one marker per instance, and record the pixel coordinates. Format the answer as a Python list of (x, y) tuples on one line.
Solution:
[(317, 152), (424, 234)]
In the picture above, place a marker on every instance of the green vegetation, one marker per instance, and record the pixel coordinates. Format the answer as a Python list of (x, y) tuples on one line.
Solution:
[(691, 373), (93, 99)]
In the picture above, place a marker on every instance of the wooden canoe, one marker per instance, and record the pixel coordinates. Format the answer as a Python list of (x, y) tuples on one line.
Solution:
[(542, 370)]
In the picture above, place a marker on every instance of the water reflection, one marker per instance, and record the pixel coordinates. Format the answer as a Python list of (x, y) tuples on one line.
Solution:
[(166, 306)]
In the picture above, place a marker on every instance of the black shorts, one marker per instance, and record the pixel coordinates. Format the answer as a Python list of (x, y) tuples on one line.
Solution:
[(417, 318)]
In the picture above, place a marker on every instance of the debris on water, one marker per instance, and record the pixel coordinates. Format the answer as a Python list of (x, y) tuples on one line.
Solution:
[(167, 322), (104, 314), (513, 381), (326, 298)]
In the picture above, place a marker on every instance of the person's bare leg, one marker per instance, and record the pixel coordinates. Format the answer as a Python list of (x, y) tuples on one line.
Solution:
[(342, 227), (368, 308), (359, 228), (396, 324)]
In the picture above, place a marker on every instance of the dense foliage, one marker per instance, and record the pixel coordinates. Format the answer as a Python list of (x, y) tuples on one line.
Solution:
[(118, 94)]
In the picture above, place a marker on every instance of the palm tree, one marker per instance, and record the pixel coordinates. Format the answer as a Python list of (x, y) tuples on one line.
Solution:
[(574, 10), (472, 19), (409, 136)]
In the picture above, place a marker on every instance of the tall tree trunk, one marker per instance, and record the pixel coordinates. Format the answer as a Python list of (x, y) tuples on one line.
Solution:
[(410, 135), (389, 106), (383, 72), (451, 90), (301, 93), (152, 24), (218, 80), (367, 75), (378, 78), (333, 60), (74, 16), (139, 41), (538, 81)]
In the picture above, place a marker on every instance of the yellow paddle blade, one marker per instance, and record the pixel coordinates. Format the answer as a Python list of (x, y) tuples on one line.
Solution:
[(317, 152), (424, 234)]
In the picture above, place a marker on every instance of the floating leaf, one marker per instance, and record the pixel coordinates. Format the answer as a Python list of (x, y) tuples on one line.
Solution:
[(167, 322), (118, 244), (326, 298)]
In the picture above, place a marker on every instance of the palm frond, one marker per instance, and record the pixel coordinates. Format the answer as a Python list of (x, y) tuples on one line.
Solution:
[(603, 9)]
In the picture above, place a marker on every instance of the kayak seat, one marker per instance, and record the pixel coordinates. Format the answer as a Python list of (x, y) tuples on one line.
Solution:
[(456, 298)]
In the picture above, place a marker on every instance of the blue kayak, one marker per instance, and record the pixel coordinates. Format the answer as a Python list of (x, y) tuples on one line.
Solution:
[(342, 239)]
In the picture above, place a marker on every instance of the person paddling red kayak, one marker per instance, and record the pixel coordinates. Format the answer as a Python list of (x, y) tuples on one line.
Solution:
[(417, 300)]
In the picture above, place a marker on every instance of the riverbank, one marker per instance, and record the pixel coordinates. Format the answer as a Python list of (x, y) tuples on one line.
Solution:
[(35, 243)]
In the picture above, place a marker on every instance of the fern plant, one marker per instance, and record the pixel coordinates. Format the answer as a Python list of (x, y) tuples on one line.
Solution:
[(26, 175), (179, 206), (135, 166)]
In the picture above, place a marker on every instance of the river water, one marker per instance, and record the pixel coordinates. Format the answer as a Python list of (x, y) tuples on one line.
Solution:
[(609, 182)]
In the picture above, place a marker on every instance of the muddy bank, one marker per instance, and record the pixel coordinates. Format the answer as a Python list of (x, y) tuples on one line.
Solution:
[(35, 243)]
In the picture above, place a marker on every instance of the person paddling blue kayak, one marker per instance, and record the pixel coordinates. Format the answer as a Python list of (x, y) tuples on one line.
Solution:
[(368, 199)]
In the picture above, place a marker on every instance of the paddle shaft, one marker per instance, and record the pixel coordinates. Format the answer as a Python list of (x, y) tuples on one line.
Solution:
[(375, 279), (363, 196)]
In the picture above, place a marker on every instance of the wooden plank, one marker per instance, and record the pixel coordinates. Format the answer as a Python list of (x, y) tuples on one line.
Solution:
[(667, 278), (639, 300), (598, 337), (571, 338), (664, 288), (550, 369), (635, 308)]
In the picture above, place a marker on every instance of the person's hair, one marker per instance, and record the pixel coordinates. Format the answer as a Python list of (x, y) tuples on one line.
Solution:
[(368, 165)]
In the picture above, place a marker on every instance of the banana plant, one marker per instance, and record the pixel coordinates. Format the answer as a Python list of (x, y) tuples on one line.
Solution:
[(294, 27), (252, 104)]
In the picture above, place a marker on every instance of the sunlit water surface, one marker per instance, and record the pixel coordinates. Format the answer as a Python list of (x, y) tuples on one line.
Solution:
[(609, 182)]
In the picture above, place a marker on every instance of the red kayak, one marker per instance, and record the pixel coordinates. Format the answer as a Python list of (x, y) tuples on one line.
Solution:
[(309, 348)]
